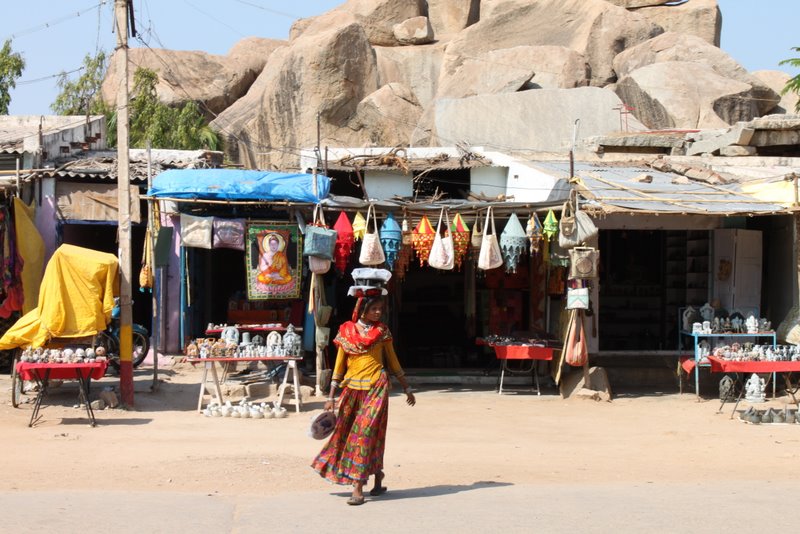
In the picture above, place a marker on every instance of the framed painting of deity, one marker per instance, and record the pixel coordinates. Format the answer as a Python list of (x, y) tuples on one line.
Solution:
[(274, 256)]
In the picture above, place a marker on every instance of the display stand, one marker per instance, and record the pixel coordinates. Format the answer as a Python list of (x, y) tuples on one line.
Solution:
[(698, 360), (719, 365), (42, 373)]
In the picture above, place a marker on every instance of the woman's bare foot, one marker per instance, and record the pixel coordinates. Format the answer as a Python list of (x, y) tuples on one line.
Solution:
[(378, 488)]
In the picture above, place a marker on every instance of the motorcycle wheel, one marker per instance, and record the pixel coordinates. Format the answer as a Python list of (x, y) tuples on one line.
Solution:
[(16, 383), (141, 345)]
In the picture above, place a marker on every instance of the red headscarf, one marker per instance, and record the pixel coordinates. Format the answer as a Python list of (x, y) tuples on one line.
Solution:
[(352, 341)]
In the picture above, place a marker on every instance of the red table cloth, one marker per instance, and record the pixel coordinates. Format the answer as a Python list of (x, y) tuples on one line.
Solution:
[(61, 371), (725, 366), (523, 352)]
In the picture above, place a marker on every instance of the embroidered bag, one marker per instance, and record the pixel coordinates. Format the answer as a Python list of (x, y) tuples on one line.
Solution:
[(575, 227), (319, 240), (578, 298), (477, 233), (489, 256), (442, 254), (583, 262), (371, 249), (577, 352), (228, 233)]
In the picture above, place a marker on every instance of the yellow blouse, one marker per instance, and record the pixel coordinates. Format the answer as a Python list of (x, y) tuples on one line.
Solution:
[(363, 370)]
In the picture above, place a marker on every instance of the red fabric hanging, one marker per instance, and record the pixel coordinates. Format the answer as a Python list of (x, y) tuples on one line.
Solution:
[(345, 241)]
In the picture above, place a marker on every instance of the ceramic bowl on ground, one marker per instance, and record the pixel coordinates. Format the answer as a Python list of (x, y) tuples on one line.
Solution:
[(279, 412)]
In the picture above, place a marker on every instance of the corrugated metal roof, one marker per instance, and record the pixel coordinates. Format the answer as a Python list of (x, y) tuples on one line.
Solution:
[(639, 188)]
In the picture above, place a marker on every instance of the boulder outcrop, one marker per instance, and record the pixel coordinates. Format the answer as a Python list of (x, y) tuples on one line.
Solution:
[(449, 17), (416, 67), (698, 17), (388, 116), (777, 80), (413, 31)]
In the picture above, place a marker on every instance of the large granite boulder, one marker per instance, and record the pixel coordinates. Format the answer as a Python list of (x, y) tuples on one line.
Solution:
[(413, 31), (777, 80), (595, 29), (326, 74), (633, 4), (671, 46), (697, 17), (449, 17), (528, 120), (416, 67), (377, 17), (214, 81), (679, 94), (388, 116)]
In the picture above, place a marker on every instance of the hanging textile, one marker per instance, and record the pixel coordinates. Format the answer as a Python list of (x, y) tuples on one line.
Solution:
[(12, 268), (550, 226), (461, 239), (513, 243), (391, 239), (406, 252), (422, 239), (344, 242), (31, 250)]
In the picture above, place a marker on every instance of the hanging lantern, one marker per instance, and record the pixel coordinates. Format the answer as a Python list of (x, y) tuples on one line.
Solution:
[(460, 233), (344, 242), (359, 226), (422, 239), (550, 226), (534, 232), (391, 237), (513, 243)]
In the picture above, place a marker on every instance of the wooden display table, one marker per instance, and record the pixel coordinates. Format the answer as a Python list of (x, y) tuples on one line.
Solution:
[(718, 365), (210, 365)]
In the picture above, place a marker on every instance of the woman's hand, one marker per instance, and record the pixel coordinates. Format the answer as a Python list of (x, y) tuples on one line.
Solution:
[(410, 400), (329, 405)]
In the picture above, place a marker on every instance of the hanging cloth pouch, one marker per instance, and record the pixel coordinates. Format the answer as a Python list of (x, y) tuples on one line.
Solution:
[(319, 240), (490, 256), (575, 227), (583, 262), (442, 254), (146, 274), (196, 231), (228, 233), (371, 249)]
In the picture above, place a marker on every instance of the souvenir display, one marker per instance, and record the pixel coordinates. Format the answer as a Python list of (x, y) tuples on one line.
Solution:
[(477, 237), (406, 252), (513, 243), (344, 242), (422, 239), (245, 410), (65, 355), (490, 256), (391, 239), (319, 240), (460, 232), (550, 226)]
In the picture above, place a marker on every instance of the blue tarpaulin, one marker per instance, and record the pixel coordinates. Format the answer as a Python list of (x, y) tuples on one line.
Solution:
[(231, 184)]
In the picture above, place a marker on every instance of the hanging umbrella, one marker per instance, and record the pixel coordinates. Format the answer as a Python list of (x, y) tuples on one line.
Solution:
[(344, 242), (391, 239), (460, 233), (513, 243), (359, 226), (534, 232), (422, 239)]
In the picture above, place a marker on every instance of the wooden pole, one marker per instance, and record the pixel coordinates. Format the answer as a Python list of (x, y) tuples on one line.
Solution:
[(149, 243), (124, 215)]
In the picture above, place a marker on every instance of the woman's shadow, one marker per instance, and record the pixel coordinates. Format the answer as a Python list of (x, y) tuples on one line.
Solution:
[(433, 491)]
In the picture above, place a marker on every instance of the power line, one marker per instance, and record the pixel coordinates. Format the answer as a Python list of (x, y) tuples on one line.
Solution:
[(53, 22), (268, 10), (43, 78)]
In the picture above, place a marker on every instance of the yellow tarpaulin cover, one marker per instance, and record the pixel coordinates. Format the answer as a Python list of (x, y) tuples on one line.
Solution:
[(76, 298), (31, 248), (782, 192)]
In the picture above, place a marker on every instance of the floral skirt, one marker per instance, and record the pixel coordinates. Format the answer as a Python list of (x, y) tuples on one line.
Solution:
[(355, 449)]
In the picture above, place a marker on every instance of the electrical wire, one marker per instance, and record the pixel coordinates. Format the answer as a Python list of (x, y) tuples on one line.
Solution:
[(43, 78), (55, 21)]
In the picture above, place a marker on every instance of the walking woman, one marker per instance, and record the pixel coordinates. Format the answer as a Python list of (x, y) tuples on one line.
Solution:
[(355, 449)]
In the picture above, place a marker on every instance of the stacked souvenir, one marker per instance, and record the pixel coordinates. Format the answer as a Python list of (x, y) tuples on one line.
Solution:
[(245, 410), (67, 355), (275, 346), (749, 352)]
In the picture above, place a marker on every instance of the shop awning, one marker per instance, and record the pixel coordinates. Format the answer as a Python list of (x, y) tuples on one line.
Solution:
[(231, 184), (643, 189)]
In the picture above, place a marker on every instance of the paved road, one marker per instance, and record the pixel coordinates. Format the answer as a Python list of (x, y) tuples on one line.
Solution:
[(480, 507)]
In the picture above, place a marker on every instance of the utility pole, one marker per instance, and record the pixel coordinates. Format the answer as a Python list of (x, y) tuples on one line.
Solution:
[(124, 211)]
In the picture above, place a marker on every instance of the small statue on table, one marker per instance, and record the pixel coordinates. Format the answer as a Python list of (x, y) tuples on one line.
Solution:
[(755, 389)]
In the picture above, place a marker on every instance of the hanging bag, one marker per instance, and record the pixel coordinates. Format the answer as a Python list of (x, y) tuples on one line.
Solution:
[(583, 263), (442, 254), (577, 353), (146, 274), (490, 256), (319, 240), (477, 233), (575, 227), (371, 249)]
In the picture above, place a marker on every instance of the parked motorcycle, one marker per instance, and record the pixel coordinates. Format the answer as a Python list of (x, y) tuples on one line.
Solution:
[(109, 339)]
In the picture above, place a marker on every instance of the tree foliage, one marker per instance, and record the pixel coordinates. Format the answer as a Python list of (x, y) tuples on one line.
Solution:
[(793, 85), (82, 96), (11, 67), (182, 128)]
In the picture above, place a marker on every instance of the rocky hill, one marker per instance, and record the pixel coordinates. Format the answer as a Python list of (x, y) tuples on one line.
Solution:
[(505, 74)]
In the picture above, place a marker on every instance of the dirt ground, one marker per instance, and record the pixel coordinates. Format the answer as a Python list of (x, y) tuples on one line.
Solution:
[(453, 436)]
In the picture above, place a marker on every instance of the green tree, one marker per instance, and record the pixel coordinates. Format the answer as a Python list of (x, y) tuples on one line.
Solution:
[(182, 128), (11, 67), (793, 85), (82, 96)]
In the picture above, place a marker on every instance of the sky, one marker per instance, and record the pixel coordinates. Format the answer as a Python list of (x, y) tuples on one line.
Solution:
[(54, 36)]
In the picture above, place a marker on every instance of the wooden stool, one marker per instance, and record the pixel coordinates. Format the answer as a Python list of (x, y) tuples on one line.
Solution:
[(291, 366), (204, 384)]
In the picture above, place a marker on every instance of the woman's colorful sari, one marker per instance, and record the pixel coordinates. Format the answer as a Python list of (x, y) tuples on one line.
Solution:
[(355, 449)]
